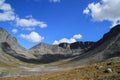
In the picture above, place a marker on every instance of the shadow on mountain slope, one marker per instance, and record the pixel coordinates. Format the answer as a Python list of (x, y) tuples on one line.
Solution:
[(44, 59)]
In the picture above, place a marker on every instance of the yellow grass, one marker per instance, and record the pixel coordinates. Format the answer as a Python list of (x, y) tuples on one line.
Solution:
[(89, 72)]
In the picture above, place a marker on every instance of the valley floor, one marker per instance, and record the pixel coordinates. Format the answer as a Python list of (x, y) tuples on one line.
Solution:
[(89, 72)]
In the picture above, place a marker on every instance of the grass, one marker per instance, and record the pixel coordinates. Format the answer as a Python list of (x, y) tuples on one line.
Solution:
[(89, 72), (2, 64)]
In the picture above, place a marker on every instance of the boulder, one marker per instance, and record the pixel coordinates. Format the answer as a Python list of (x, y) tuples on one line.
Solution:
[(108, 70)]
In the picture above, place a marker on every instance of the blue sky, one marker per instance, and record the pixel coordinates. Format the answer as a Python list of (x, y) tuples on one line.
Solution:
[(56, 21)]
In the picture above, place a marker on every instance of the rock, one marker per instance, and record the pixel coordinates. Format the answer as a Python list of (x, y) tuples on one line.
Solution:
[(108, 70), (81, 45), (65, 45), (110, 63), (4, 73), (99, 67), (118, 72)]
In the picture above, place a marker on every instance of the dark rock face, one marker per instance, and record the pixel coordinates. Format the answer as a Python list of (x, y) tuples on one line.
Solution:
[(113, 33), (64, 45), (77, 45), (81, 45), (109, 45), (105, 48)]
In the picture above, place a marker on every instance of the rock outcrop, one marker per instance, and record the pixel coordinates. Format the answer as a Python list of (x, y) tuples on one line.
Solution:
[(77, 45)]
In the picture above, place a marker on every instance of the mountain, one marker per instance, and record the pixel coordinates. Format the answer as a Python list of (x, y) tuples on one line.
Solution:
[(105, 48), (41, 52), (49, 53), (49, 58), (10, 45)]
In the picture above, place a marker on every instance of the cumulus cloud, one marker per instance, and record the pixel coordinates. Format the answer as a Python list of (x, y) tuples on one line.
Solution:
[(104, 10), (14, 31), (71, 40), (55, 1), (1, 2), (64, 40), (7, 13), (86, 11), (77, 36), (33, 37), (30, 22)]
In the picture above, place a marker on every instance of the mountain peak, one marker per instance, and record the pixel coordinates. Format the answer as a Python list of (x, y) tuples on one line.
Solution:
[(112, 33), (115, 29)]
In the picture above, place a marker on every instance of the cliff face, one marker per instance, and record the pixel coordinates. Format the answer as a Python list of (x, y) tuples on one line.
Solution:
[(77, 45)]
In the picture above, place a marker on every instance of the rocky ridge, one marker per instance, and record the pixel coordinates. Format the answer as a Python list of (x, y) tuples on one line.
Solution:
[(49, 58), (41, 53), (48, 53)]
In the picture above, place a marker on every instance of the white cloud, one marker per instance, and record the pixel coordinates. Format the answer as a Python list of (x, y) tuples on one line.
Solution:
[(33, 37), (104, 10), (1, 2), (64, 40), (56, 42), (31, 22), (7, 13), (14, 31), (55, 1), (77, 36), (86, 11), (7, 16), (71, 40)]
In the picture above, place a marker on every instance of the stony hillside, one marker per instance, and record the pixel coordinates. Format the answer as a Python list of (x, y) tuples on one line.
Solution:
[(107, 47), (41, 53), (50, 53), (107, 70), (44, 58)]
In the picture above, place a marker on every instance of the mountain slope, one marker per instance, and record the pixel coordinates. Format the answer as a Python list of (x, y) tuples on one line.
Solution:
[(88, 72), (41, 53), (9, 44), (105, 48), (44, 58)]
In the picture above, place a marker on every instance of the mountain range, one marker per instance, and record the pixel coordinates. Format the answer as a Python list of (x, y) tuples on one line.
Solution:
[(16, 60)]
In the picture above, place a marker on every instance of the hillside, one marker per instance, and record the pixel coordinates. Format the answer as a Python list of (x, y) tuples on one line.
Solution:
[(45, 58), (87, 72), (107, 47)]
